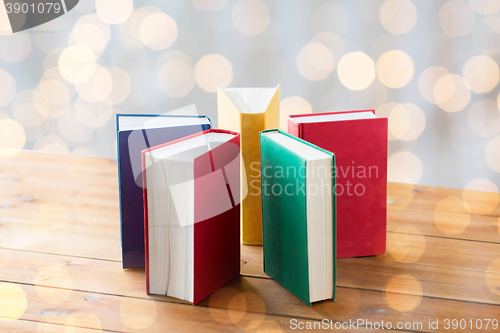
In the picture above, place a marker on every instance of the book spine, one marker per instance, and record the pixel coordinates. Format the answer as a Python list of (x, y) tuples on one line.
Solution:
[(295, 129), (146, 225), (119, 182)]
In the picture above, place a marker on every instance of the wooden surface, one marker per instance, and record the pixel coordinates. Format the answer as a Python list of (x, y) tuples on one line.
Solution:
[(60, 268)]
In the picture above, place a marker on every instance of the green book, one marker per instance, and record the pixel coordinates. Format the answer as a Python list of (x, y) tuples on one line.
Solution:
[(298, 215)]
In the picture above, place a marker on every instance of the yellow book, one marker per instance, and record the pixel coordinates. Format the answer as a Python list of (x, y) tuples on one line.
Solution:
[(249, 111)]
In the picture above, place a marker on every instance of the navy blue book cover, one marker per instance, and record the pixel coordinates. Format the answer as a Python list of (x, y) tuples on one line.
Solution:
[(130, 184)]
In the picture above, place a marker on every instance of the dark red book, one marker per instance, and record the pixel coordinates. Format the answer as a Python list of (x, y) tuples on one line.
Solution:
[(359, 141), (192, 214)]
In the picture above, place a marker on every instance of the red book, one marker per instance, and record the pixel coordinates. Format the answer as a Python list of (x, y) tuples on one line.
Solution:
[(192, 214), (358, 139)]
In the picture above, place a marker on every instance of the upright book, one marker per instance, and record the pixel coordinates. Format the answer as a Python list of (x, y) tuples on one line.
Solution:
[(298, 215), (134, 134), (192, 214), (249, 111), (359, 141)]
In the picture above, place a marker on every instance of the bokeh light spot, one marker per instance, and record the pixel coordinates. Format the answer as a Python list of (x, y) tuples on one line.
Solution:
[(72, 128), (403, 293), (97, 88), (452, 215), (493, 153), (229, 307), (13, 301), (120, 85), (493, 276), (485, 7), (25, 110), (12, 137), (129, 32), (481, 195), (77, 64), (213, 70), (171, 56), (89, 36), (406, 244), (399, 195), (398, 16), (356, 70), (384, 111), (452, 93), (55, 92), (114, 11), (137, 313), (158, 31), (484, 118), (333, 42), (428, 80), (93, 115), (481, 72), (404, 167), (406, 121), (395, 69), (237, 309), (315, 61), (291, 106)]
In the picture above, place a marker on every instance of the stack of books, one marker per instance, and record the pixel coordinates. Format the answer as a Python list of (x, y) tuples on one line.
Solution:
[(309, 196)]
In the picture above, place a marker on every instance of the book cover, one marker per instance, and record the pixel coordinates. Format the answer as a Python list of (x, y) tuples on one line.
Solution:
[(360, 148), (249, 111), (131, 140), (287, 246), (216, 214)]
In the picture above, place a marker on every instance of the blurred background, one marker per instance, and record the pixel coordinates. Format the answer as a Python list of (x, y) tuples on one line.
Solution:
[(430, 66)]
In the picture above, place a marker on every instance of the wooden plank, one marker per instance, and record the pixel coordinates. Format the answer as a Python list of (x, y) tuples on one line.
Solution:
[(452, 270), (415, 204), (94, 311), (401, 196), (72, 238), (61, 275), (354, 304), (480, 228), (60, 204), (412, 250), (462, 277), (25, 326), (244, 303), (68, 205)]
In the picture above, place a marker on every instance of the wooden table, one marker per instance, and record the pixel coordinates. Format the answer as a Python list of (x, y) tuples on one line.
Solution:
[(60, 268)]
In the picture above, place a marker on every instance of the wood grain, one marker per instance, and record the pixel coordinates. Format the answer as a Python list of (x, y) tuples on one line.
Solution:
[(59, 242)]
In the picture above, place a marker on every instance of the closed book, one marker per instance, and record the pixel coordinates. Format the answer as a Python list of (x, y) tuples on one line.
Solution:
[(359, 141), (298, 216), (192, 214), (249, 111), (134, 134)]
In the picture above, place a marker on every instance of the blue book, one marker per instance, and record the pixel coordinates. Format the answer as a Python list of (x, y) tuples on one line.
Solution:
[(136, 132)]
